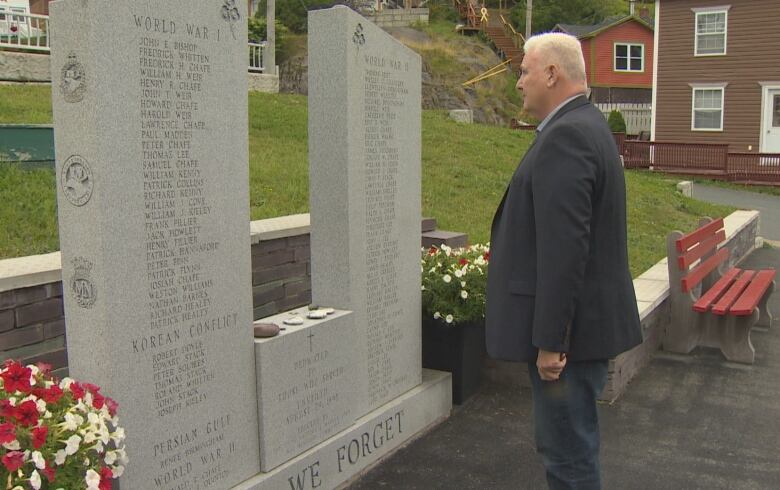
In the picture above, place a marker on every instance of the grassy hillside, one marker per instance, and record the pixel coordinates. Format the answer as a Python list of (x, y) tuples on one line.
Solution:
[(465, 171)]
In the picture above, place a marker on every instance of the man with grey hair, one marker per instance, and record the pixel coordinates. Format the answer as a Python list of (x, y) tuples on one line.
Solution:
[(560, 295)]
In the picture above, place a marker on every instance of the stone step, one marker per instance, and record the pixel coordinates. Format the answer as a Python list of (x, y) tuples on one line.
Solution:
[(452, 239)]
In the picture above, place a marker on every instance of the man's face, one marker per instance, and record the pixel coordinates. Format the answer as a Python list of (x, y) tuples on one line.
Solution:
[(533, 83)]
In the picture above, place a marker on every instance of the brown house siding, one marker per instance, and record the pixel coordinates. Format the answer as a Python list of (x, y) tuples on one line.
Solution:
[(753, 40)]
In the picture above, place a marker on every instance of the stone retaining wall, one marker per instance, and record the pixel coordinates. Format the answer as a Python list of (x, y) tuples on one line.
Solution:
[(399, 17), (24, 67), (32, 323)]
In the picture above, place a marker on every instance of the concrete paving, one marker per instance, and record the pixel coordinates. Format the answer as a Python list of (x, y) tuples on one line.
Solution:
[(769, 205), (685, 422)]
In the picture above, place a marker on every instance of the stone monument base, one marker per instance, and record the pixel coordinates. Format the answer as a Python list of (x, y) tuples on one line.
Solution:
[(369, 440), (262, 82)]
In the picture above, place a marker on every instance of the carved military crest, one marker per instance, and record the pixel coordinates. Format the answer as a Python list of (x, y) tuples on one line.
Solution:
[(81, 285), (358, 37), (231, 14), (76, 180), (74, 81)]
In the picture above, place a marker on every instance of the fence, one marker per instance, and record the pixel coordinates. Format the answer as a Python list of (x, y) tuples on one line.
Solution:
[(256, 56), (710, 160), (637, 116), (24, 31)]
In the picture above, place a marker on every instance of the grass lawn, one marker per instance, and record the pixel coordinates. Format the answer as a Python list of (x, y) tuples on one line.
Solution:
[(465, 171)]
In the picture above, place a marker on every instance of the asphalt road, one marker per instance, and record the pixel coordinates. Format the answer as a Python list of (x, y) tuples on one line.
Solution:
[(768, 205)]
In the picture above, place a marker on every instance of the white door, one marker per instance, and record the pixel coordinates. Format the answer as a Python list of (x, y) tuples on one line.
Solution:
[(771, 126)]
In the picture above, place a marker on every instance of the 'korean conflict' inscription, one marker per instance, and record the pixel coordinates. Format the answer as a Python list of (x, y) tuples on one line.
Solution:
[(384, 100)]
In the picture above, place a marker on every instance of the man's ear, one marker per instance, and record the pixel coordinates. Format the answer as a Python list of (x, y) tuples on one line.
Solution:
[(552, 72)]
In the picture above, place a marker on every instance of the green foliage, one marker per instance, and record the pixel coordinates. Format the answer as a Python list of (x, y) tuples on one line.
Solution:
[(28, 211), (292, 13), (442, 10), (547, 13), (258, 31), (453, 283), (616, 122), (25, 104)]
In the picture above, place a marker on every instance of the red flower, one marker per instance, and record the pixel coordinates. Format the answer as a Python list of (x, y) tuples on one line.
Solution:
[(112, 406), (49, 471), (432, 250), (39, 436), (98, 400), (105, 478), (77, 390), (486, 255), (16, 378), (7, 433), (463, 261), (27, 413), (13, 460), (49, 395), (91, 388), (6, 409)]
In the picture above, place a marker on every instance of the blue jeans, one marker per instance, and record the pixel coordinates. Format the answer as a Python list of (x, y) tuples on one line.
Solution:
[(567, 424)]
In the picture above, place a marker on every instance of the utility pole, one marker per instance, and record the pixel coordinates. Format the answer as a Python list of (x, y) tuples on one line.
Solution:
[(529, 8)]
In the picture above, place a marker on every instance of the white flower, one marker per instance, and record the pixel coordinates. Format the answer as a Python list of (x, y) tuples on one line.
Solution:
[(436, 315), (463, 284), (433, 269), (118, 436), (448, 319), (93, 479), (72, 445), (447, 278), (72, 421), (110, 457), (39, 460), (59, 457), (65, 383), (35, 480), (458, 273), (12, 446), (464, 294), (422, 288), (41, 405), (118, 470)]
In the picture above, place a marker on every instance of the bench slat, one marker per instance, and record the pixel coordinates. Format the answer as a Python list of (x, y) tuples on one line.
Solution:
[(687, 241), (749, 300), (717, 290), (684, 261), (696, 275), (728, 299)]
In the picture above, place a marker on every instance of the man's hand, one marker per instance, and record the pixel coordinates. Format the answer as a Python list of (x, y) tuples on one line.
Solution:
[(550, 364)]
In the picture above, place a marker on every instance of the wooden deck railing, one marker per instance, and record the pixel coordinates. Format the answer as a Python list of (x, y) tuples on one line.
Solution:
[(517, 39), (711, 160)]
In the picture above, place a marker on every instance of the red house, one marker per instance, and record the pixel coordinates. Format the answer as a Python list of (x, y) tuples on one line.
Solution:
[(618, 58)]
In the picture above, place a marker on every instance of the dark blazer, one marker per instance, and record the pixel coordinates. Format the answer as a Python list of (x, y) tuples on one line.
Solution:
[(558, 275)]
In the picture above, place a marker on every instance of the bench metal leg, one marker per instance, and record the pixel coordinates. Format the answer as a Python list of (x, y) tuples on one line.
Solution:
[(765, 318), (735, 341)]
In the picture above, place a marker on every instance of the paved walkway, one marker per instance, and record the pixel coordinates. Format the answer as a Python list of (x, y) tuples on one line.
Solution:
[(769, 205), (685, 422)]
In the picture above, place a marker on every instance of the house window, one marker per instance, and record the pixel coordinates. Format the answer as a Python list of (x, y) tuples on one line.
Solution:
[(711, 27), (629, 57), (707, 111)]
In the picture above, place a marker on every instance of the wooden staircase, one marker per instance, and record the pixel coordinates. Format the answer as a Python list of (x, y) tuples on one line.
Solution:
[(504, 44)]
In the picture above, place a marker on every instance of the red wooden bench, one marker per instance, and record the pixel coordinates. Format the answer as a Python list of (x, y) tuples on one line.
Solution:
[(714, 305)]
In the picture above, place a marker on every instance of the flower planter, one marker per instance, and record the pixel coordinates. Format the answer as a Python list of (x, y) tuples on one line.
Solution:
[(457, 348)]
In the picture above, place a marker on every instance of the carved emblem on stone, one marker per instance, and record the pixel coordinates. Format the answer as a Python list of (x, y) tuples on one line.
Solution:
[(81, 284), (76, 180), (231, 14), (358, 37), (74, 80)]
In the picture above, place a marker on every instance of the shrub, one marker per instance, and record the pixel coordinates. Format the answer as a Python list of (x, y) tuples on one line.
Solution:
[(616, 122)]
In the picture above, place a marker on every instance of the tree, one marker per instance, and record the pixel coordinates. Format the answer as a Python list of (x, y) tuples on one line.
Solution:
[(547, 13)]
